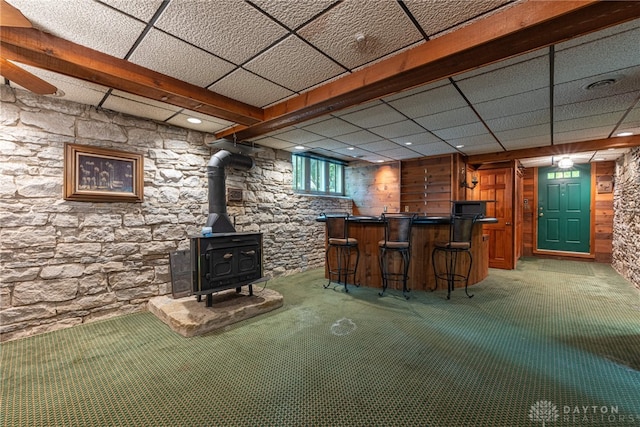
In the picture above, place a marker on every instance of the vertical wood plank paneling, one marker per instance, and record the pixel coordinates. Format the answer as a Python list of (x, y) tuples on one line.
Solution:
[(372, 187)]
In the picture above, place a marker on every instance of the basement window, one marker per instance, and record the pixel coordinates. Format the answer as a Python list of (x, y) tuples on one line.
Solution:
[(313, 174)]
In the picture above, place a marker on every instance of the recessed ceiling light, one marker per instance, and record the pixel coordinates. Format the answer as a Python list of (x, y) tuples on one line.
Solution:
[(624, 134), (350, 148), (460, 146), (601, 83), (408, 143), (565, 163), (379, 161), (299, 147), (194, 120)]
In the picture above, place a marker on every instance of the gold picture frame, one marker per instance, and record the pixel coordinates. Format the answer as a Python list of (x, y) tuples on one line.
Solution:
[(94, 174)]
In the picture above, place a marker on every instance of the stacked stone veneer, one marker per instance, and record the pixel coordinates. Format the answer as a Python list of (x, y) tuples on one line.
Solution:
[(66, 262), (626, 220)]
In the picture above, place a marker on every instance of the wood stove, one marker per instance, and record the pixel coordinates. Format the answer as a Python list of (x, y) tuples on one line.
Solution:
[(225, 261)]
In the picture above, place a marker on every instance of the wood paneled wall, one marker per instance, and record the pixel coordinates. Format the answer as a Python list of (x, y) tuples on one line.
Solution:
[(602, 228), (372, 187)]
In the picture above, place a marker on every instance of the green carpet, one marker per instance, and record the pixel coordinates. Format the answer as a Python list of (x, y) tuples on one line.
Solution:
[(532, 348)]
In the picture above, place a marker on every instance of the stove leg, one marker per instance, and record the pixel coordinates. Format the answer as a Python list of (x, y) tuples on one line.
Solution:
[(250, 290), (209, 300)]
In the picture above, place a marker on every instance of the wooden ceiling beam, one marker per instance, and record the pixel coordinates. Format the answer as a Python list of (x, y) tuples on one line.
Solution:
[(39, 49), (556, 150), (521, 28)]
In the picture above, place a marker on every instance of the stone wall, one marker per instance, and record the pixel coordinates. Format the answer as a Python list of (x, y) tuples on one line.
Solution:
[(626, 220), (65, 262)]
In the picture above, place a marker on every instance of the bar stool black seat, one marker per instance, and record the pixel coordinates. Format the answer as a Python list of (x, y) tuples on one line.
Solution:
[(338, 239), (397, 238), (460, 232)]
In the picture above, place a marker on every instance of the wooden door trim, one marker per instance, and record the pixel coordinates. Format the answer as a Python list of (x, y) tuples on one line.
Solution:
[(592, 219)]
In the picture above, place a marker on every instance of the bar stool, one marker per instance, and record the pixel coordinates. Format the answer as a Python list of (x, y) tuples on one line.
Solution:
[(460, 232), (338, 239), (397, 238)]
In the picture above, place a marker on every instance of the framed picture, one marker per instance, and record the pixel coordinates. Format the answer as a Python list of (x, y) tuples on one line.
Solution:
[(94, 174)]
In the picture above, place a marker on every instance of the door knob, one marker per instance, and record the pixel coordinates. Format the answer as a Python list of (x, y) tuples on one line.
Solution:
[(541, 214)]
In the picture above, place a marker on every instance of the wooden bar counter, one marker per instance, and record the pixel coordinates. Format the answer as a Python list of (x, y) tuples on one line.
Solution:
[(426, 231)]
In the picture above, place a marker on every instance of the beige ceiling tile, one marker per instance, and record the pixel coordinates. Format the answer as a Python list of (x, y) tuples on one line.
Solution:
[(534, 100), (377, 115), (626, 80), (482, 148), (462, 131), (331, 127), (578, 135), (294, 64), (379, 146), (442, 98), (293, 13), (434, 149), (417, 139), (435, 16), (74, 90), (91, 24), (272, 142), (620, 50), (234, 31), (507, 81), (358, 138), (527, 142), (299, 136), (206, 125), (448, 119), (398, 129), (327, 144), (244, 86), (139, 107), (606, 121), (187, 63), (398, 153), (416, 90), (384, 25), (631, 121), (141, 9), (518, 121), (596, 107)]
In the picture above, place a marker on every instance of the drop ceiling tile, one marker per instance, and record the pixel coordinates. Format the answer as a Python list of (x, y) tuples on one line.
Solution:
[(357, 107), (507, 81), (244, 86), (539, 132), (271, 142), (626, 80), (631, 121), (294, 64), (399, 153), (328, 144), (234, 32), (141, 9), (519, 121), (584, 60), (475, 140), (435, 16), (198, 115), (378, 115), (299, 136), (74, 90), (137, 106), (529, 142), (448, 119), (581, 135), (379, 146), (515, 104), (356, 153), (596, 107), (482, 148), (358, 138), (293, 14), (607, 121), (434, 149), (442, 98), (525, 57), (417, 139), (331, 127), (91, 25), (188, 63), (416, 90), (398, 129), (384, 25), (209, 126)]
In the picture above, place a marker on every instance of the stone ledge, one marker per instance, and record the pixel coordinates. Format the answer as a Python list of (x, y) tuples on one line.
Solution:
[(189, 318)]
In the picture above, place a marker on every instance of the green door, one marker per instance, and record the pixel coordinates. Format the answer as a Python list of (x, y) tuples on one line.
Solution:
[(563, 208)]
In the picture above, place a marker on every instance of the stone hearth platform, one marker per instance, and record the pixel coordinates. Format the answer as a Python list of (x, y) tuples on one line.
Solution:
[(189, 318)]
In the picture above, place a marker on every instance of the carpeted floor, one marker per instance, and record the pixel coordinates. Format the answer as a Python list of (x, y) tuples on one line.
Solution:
[(535, 347)]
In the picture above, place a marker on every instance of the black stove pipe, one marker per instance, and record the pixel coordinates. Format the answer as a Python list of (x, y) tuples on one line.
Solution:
[(218, 219)]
